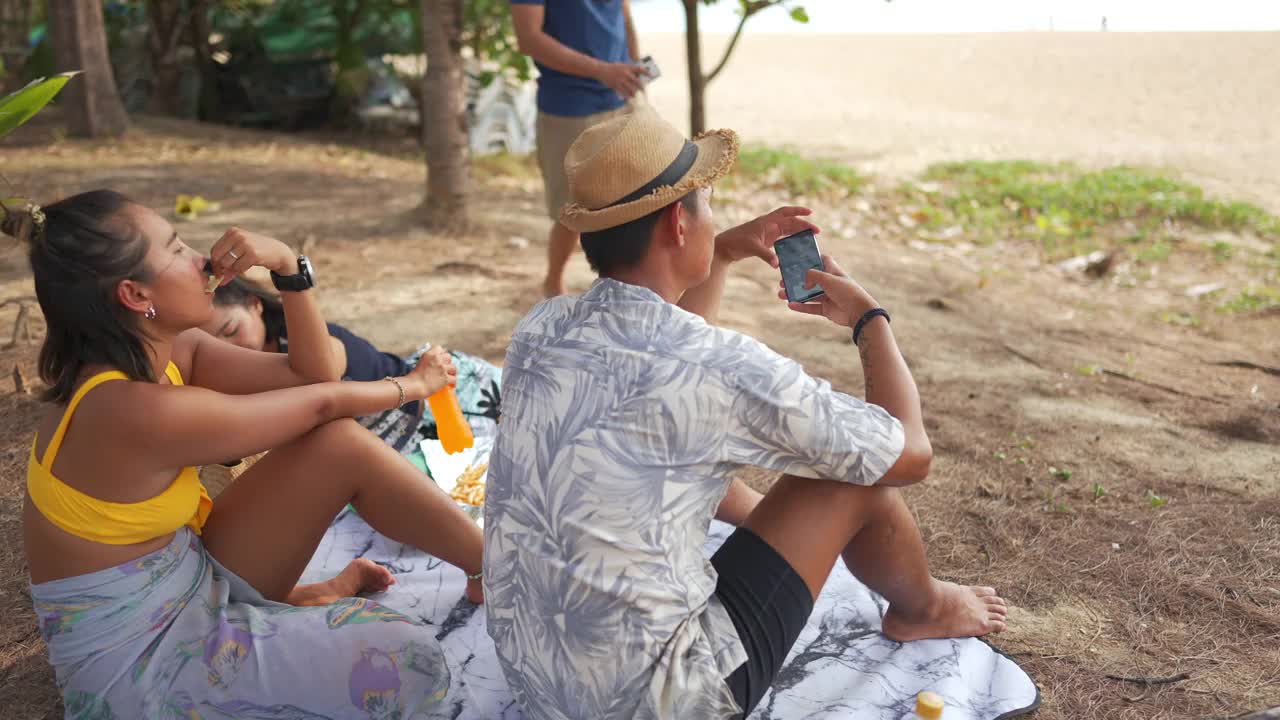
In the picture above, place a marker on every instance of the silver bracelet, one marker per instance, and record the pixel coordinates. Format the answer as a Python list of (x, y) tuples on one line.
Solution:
[(398, 387), (479, 574)]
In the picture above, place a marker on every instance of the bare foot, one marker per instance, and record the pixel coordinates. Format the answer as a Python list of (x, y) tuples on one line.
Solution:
[(957, 611), (361, 575)]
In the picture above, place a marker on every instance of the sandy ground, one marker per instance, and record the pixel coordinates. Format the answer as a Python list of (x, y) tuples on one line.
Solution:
[(1205, 103)]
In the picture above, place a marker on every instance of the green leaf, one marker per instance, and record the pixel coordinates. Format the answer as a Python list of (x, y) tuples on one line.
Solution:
[(18, 107), (799, 15), (9, 202), (1155, 500)]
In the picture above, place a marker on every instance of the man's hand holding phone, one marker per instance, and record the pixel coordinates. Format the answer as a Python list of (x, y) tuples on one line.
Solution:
[(623, 78), (843, 302), (651, 70)]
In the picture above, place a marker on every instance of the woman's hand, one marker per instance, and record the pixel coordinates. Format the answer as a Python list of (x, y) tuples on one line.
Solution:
[(434, 371), (238, 250), (843, 301)]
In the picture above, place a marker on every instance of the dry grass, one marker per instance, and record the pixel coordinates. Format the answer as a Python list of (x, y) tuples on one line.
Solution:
[(26, 681), (1102, 584)]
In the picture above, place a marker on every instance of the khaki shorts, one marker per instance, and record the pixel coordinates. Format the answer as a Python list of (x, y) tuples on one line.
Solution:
[(555, 134)]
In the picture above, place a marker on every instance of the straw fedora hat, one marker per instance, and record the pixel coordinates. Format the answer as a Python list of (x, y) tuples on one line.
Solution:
[(636, 163)]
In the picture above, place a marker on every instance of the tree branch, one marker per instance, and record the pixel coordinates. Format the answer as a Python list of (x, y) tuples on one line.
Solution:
[(21, 327), (747, 11), (1249, 366), (166, 29), (1151, 680), (357, 14), (1158, 386)]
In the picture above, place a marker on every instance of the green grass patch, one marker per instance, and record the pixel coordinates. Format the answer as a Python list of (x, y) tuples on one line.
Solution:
[(796, 173), (1180, 319), (1067, 208), (1222, 250), (504, 164), (1157, 251), (1251, 300)]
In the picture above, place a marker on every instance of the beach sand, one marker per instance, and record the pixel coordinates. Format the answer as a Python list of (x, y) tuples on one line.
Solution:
[(1207, 104)]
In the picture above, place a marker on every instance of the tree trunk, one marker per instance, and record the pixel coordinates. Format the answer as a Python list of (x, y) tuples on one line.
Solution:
[(163, 38), (93, 102), (697, 82), (15, 26), (444, 131), (353, 78), (207, 108)]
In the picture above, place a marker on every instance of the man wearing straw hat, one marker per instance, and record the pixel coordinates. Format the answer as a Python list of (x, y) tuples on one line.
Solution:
[(626, 415)]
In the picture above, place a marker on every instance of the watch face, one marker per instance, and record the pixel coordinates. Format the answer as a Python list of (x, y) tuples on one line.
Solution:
[(305, 269), (303, 280)]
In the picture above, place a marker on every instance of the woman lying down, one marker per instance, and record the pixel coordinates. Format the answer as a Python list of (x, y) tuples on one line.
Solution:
[(247, 315), (153, 600)]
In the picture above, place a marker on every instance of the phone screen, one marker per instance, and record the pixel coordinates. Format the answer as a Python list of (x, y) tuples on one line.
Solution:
[(797, 254)]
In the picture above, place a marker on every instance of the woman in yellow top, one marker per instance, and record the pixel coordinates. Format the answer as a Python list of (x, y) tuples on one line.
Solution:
[(155, 601)]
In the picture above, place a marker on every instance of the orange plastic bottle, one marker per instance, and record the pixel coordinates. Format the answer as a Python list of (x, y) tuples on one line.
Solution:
[(928, 706), (455, 432)]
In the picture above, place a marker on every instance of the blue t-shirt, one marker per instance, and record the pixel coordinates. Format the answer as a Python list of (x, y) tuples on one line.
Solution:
[(592, 27)]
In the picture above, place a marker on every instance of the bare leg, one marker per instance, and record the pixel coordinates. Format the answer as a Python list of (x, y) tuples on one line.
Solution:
[(265, 527), (361, 575), (812, 522), (560, 247), (737, 503)]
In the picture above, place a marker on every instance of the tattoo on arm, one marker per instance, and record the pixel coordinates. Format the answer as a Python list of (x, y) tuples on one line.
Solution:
[(865, 356)]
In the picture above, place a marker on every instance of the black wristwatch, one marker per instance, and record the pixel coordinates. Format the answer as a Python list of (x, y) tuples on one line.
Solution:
[(304, 280)]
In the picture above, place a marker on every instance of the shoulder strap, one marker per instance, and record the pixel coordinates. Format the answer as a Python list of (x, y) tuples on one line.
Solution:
[(51, 452), (172, 372)]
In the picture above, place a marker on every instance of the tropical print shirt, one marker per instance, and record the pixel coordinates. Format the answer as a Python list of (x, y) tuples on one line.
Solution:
[(624, 419)]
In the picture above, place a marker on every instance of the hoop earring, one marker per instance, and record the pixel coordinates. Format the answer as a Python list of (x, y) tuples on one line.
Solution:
[(150, 313)]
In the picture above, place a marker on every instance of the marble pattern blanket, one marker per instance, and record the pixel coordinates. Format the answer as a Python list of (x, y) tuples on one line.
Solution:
[(841, 667)]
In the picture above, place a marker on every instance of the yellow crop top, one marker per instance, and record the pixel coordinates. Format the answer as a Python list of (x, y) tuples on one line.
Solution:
[(184, 502)]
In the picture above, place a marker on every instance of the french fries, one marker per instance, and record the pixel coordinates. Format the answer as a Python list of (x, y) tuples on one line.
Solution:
[(470, 487), (214, 278)]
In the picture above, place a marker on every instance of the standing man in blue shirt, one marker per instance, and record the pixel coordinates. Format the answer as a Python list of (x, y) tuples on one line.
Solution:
[(585, 51)]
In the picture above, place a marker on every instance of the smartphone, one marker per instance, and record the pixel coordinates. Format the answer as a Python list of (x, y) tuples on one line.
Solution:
[(650, 69), (797, 255)]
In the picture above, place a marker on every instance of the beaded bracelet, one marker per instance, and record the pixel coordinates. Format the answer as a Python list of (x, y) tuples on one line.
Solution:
[(398, 387)]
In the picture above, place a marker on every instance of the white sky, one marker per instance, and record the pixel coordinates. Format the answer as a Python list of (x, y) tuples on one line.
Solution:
[(918, 16)]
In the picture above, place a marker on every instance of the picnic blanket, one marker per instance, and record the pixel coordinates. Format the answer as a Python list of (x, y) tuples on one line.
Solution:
[(841, 667)]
